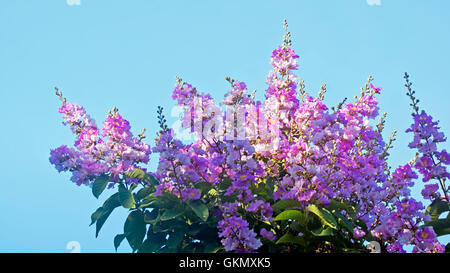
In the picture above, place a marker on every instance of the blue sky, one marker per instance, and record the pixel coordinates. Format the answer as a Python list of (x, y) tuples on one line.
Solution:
[(126, 53)]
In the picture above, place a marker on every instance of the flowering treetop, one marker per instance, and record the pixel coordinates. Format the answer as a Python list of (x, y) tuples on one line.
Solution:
[(284, 174)]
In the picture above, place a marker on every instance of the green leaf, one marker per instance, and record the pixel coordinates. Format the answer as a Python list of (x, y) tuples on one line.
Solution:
[(152, 216), (118, 240), (153, 243), (110, 204), (97, 214), (203, 232), (290, 215), (171, 213), (126, 198), (285, 203), (339, 205), (137, 173), (344, 222), (99, 185), (258, 188), (143, 176), (324, 215), (146, 204), (175, 239), (101, 221), (289, 238), (323, 232), (200, 209), (144, 193), (270, 183), (159, 227), (225, 184), (149, 201), (440, 226), (299, 226), (437, 208), (133, 186), (203, 187), (153, 180), (135, 229)]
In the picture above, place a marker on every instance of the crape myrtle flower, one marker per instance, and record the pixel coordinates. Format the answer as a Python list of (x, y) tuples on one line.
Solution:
[(267, 234), (237, 236), (110, 150)]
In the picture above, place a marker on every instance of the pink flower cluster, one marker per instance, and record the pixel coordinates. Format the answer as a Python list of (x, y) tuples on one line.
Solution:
[(402, 227), (112, 150)]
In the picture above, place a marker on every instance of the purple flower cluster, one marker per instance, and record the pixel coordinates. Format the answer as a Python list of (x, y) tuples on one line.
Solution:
[(237, 236), (264, 209), (177, 167), (431, 163), (402, 226), (112, 150), (237, 95)]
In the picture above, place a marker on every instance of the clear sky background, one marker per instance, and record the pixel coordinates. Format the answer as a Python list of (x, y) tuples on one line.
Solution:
[(105, 53)]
